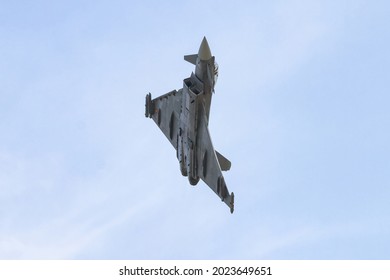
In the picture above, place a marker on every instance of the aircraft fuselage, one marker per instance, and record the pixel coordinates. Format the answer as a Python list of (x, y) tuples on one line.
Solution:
[(183, 117)]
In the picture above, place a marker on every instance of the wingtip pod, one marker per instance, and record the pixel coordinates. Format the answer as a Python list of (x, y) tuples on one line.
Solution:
[(231, 203), (149, 106), (229, 200)]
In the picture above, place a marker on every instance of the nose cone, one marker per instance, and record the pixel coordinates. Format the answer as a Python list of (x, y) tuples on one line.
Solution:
[(204, 50)]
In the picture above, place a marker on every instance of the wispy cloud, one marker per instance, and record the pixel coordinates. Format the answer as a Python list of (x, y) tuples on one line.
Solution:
[(83, 174)]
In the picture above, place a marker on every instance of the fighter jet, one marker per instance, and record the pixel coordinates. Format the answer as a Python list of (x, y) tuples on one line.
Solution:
[(183, 116)]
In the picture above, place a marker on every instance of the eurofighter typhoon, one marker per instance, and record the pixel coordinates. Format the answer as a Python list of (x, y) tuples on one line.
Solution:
[(183, 116)]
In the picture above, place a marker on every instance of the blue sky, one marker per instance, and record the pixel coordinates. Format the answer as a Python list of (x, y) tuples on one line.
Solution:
[(301, 109)]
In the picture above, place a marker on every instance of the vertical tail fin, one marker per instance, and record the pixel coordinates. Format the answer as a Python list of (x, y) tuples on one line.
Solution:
[(224, 163)]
